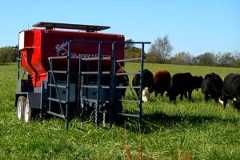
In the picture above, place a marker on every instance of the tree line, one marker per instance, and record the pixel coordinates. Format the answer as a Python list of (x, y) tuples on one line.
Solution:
[(160, 51), (8, 54)]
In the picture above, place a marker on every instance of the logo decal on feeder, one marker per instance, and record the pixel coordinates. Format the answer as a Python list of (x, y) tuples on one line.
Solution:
[(61, 50)]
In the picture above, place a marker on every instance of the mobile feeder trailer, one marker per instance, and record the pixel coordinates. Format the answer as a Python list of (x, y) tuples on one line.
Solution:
[(64, 69)]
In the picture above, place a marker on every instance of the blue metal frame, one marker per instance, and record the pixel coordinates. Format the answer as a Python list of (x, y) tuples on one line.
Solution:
[(99, 86)]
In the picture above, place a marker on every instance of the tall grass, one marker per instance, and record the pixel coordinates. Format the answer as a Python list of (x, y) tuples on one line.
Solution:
[(187, 130)]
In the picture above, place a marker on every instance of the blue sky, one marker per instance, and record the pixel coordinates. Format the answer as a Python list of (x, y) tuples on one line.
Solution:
[(194, 26)]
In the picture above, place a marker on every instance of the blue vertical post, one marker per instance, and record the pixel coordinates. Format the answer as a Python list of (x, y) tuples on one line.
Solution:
[(113, 81), (141, 85), (79, 83), (68, 84), (50, 79), (98, 83)]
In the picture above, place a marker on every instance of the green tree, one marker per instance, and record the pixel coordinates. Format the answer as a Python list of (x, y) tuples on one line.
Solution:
[(161, 49), (8, 54), (152, 58), (132, 52), (226, 59), (182, 58), (207, 59)]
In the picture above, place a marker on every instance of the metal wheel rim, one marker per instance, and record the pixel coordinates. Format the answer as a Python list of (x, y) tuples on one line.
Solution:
[(20, 106), (27, 112)]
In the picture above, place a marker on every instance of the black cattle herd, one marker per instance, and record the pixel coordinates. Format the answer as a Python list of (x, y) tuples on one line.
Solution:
[(183, 84)]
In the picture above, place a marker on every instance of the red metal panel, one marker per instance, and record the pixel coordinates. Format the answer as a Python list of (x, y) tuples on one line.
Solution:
[(41, 44)]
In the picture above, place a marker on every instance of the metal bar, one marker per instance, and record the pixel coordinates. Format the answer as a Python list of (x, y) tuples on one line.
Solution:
[(92, 100), (138, 42), (52, 79), (57, 85), (98, 82), (113, 80), (59, 71), (128, 60), (129, 73), (141, 86), (129, 115), (68, 82), (57, 57), (50, 89), (56, 114), (80, 91), (79, 83), (56, 100), (96, 58), (92, 73), (95, 86), (125, 87)]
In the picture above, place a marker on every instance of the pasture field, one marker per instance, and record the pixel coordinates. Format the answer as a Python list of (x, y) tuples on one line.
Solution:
[(187, 130)]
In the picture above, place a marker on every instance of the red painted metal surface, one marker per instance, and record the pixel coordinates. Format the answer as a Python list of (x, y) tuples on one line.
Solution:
[(39, 44)]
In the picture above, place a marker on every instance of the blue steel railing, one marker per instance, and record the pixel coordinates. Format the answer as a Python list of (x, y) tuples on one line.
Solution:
[(113, 86)]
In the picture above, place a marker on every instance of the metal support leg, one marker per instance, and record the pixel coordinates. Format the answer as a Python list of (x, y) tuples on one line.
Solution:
[(98, 84), (68, 84), (113, 83), (141, 87)]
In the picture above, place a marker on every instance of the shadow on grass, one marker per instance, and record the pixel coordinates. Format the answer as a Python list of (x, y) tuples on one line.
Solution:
[(157, 121)]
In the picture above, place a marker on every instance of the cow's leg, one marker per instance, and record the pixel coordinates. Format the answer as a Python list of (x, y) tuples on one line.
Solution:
[(156, 93), (185, 95), (174, 99), (225, 100), (206, 97), (161, 93), (216, 99), (181, 96), (167, 94), (225, 103), (190, 94)]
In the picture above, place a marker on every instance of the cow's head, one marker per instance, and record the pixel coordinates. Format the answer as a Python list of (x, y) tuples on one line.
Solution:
[(148, 80), (122, 80), (172, 94)]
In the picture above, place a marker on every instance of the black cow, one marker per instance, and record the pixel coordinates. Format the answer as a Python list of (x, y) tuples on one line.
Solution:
[(183, 84), (122, 80), (212, 86), (231, 89), (147, 81), (162, 81)]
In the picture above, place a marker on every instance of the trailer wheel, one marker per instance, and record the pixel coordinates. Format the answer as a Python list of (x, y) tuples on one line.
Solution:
[(27, 111), (21, 102)]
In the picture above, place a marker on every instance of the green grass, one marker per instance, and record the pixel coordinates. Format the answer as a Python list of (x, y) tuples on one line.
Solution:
[(188, 129)]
